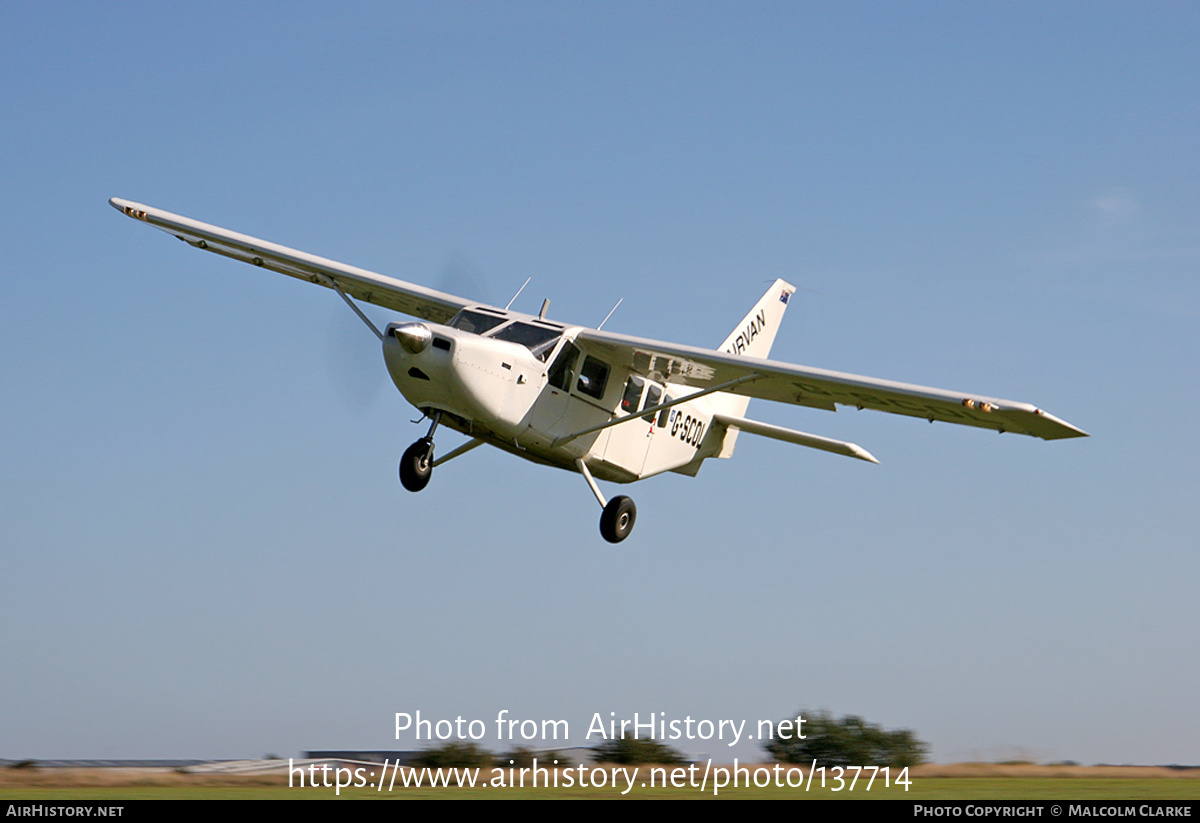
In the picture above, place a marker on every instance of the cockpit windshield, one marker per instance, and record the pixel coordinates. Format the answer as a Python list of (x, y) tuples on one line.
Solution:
[(538, 339), (539, 336), (476, 322)]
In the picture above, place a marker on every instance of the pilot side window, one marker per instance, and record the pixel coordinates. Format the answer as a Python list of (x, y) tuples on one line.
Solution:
[(559, 375), (593, 377)]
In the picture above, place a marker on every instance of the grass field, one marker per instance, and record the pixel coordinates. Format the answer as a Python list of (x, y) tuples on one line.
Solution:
[(957, 782)]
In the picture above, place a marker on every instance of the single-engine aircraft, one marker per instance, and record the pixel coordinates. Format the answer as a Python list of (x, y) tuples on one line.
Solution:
[(605, 405)]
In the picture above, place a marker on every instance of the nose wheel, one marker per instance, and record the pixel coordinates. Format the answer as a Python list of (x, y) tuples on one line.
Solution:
[(416, 466)]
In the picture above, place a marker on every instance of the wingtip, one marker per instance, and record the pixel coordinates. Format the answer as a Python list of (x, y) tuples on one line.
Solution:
[(1062, 430), (129, 208)]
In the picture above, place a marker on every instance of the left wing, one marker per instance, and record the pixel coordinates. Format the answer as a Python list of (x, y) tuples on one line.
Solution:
[(418, 301), (806, 386)]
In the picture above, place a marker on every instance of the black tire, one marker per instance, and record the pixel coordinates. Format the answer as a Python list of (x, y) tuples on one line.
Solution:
[(416, 466), (617, 521)]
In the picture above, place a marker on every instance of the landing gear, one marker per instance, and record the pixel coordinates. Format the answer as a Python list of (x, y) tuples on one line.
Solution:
[(617, 521), (619, 513), (416, 466)]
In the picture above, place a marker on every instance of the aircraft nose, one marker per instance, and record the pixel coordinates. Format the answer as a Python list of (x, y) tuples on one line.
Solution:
[(414, 337)]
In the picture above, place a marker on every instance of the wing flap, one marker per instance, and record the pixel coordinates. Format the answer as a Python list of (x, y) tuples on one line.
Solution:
[(368, 286), (820, 388)]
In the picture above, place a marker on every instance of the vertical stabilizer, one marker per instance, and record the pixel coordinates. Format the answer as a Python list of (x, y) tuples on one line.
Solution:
[(752, 337), (755, 334)]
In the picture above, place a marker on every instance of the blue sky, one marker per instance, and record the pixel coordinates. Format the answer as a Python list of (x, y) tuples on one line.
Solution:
[(206, 551)]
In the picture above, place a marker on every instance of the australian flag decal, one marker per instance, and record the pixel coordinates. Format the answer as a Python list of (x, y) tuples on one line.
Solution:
[(783, 298)]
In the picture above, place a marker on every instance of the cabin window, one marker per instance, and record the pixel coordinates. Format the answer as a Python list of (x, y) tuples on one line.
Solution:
[(633, 393), (653, 398), (593, 377), (665, 414), (559, 375)]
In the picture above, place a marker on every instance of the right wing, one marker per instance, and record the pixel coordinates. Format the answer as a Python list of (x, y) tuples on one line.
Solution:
[(819, 388), (411, 299)]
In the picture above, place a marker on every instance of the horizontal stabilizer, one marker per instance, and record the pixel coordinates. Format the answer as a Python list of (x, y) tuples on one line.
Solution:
[(813, 441)]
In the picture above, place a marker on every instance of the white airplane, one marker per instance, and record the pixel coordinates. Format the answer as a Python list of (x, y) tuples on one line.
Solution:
[(605, 405)]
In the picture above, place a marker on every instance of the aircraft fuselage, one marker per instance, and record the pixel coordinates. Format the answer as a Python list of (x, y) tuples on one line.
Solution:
[(508, 396)]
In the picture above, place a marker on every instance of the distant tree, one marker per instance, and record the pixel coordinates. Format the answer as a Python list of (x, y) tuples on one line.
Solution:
[(522, 758), (632, 751), (850, 741), (453, 755)]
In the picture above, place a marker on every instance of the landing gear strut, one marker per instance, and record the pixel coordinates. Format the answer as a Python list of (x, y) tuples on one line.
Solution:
[(619, 513), (416, 466)]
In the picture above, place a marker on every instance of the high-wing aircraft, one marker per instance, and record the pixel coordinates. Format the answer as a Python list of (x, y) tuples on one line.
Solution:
[(605, 405)]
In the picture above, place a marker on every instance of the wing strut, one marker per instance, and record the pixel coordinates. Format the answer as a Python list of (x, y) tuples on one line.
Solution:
[(357, 310), (463, 449), (567, 438)]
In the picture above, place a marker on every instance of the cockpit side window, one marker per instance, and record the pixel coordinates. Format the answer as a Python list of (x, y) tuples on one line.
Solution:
[(593, 377), (559, 375)]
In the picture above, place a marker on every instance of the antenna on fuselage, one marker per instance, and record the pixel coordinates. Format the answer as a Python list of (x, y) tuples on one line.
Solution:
[(610, 314), (545, 305), (518, 294)]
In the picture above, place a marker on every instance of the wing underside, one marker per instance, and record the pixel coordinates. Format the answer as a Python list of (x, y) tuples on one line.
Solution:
[(819, 388), (364, 285)]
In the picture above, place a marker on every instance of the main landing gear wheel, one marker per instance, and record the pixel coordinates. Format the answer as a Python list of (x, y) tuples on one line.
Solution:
[(416, 466), (617, 521)]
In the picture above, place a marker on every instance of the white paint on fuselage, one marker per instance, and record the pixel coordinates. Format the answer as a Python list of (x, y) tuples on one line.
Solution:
[(498, 391)]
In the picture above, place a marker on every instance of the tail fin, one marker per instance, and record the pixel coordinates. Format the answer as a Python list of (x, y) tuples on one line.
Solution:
[(753, 338), (755, 334)]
